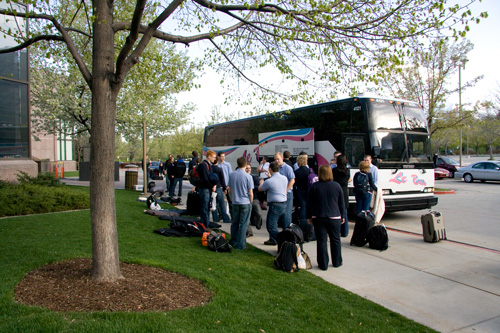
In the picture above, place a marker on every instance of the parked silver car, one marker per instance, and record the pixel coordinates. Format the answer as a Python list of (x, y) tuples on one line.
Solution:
[(483, 171)]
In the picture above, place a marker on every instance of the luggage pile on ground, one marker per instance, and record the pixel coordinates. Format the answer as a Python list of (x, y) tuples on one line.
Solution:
[(291, 256), (365, 231)]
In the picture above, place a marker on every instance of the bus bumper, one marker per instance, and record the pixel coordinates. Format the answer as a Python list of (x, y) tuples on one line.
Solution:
[(409, 204)]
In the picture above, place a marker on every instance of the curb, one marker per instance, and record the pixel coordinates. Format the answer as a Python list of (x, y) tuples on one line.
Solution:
[(445, 192)]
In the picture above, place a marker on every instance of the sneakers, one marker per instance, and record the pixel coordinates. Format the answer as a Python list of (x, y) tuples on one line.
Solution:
[(270, 242)]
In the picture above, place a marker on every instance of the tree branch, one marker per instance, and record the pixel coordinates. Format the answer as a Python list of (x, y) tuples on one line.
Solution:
[(239, 71), (134, 33), (65, 38), (133, 58)]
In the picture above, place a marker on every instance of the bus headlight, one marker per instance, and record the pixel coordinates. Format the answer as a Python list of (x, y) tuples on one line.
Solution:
[(386, 192), (429, 190)]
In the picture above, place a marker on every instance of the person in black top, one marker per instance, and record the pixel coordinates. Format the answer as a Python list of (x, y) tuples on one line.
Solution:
[(300, 186), (193, 161), (342, 175), (205, 187), (325, 209), (364, 186), (178, 171), (286, 158)]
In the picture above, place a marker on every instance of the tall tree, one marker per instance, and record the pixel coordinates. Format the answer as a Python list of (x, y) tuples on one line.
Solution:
[(488, 124), (338, 41), (427, 79)]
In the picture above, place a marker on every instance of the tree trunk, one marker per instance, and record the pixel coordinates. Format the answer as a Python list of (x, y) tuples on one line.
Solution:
[(105, 256)]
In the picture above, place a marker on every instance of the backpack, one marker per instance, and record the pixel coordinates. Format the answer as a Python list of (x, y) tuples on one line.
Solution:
[(311, 179), (194, 178), (292, 234), (152, 202), (287, 258), (179, 169), (213, 178), (377, 238), (217, 243), (361, 183)]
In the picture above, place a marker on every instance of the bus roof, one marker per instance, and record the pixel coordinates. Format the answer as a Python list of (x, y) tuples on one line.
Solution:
[(372, 97)]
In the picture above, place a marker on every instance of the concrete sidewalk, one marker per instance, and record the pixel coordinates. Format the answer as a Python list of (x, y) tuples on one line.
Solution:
[(447, 286)]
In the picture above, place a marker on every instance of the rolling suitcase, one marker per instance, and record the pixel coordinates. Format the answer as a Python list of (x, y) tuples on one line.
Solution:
[(193, 204), (364, 222), (433, 227)]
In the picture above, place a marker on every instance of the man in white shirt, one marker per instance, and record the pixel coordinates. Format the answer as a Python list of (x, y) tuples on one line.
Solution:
[(263, 168), (373, 169), (226, 169)]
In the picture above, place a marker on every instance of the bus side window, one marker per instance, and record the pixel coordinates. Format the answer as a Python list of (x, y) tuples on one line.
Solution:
[(355, 150)]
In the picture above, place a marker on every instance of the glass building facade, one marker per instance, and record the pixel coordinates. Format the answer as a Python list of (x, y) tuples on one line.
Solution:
[(14, 90)]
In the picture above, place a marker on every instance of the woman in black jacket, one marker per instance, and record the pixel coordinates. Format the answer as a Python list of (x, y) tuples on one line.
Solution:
[(342, 175), (325, 210)]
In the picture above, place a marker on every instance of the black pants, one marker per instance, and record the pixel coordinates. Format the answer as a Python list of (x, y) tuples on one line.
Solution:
[(327, 228)]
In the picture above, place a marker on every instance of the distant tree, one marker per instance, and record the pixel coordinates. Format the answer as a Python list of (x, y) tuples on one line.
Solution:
[(426, 79), (488, 124)]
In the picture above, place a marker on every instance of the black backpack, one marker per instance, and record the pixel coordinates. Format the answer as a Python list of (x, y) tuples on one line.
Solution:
[(217, 243), (292, 234), (194, 178), (361, 183), (179, 169), (377, 238), (213, 178), (287, 258)]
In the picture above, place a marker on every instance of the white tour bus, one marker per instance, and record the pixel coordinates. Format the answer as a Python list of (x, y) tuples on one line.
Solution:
[(393, 131)]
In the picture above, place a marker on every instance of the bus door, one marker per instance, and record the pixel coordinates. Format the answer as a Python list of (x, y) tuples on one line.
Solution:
[(354, 148)]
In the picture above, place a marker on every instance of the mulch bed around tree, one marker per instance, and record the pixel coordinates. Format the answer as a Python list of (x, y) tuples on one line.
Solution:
[(68, 286)]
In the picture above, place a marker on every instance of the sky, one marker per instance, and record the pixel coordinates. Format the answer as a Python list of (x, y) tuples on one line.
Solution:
[(484, 59)]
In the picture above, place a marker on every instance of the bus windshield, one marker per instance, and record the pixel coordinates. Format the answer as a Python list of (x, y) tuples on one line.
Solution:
[(394, 116), (393, 147)]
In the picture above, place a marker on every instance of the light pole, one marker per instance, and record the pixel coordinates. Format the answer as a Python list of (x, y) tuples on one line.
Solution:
[(460, 108)]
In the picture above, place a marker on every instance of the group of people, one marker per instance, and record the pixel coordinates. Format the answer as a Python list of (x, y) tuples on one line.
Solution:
[(321, 200), (173, 171)]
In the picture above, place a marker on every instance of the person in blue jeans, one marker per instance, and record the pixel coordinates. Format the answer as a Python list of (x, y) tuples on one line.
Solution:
[(276, 187), (286, 171), (178, 170), (241, 190), (205, 187), (363, 187), (221, 189)]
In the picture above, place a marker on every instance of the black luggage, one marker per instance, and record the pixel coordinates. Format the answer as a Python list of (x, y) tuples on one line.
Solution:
[(292, 234), (364, 222), (255, 218), (377, 238), (218, 243), (287, 257), (433, 227), (193, 204)]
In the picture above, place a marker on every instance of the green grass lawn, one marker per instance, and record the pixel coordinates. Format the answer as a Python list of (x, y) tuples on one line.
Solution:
[(250, 295), (68, 174)]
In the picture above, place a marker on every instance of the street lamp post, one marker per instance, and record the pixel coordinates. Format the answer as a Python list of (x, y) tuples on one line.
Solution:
[(460, 108)]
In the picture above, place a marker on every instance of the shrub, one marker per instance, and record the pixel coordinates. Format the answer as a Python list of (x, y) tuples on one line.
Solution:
[(43, 178), (26, 198)]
